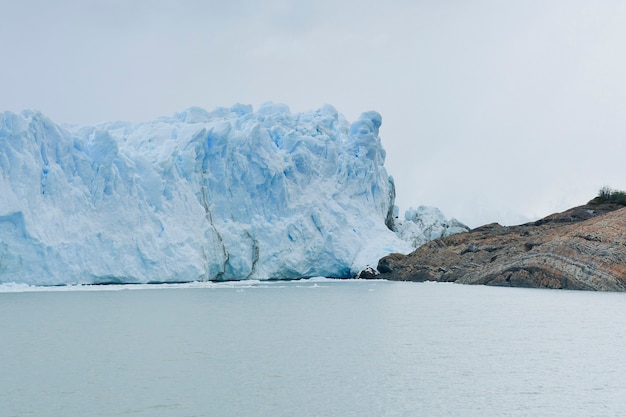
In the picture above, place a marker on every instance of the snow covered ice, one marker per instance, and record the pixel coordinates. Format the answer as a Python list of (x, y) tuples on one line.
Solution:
[(224, 195), (423, 224)]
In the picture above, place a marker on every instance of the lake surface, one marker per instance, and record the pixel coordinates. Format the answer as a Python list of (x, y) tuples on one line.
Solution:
[(311, 348)]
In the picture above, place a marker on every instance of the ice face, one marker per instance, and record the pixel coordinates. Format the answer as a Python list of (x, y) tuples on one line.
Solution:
[(223, 195), (423, 224)]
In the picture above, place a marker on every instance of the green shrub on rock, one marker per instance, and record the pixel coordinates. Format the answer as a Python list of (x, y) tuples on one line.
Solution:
[(608, 195)]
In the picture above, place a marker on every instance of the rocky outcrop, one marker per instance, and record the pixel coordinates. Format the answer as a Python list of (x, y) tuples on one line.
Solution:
[(583, 248)]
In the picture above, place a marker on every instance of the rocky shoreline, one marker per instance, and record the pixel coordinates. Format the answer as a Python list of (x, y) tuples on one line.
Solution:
[(583, 248)]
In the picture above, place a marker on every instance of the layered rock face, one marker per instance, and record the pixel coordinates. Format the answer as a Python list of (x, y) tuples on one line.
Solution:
[(582, 248)]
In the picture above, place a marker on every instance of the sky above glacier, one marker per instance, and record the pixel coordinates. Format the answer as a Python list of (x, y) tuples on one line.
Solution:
[(492, 110)]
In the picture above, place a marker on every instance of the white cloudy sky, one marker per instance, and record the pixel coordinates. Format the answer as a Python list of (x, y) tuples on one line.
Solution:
[(492, 110)]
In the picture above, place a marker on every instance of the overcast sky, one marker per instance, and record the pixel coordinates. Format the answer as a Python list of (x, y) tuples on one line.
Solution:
[(492, 110)]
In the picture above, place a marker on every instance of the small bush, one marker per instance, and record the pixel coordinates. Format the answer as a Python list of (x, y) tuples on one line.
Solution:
[(608, 195)]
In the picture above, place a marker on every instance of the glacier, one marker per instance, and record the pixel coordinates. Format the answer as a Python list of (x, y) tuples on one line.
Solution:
[(218, 195), (425, 223)]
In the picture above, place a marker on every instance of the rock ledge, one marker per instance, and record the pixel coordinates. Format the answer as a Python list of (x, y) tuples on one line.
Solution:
[(583, 248)]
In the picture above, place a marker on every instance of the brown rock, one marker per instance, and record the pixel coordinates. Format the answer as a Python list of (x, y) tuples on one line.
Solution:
[(581, 248)]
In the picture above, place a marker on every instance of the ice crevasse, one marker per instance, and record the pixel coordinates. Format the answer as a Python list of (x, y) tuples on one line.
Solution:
[(223, 195)]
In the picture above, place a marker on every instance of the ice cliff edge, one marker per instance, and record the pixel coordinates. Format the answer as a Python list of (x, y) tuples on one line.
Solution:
[(228, 194)]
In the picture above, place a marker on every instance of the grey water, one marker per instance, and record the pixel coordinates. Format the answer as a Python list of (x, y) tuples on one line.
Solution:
[(312, 348)]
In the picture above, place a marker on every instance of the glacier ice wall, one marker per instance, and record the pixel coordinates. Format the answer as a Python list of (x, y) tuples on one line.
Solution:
[(222, 195)]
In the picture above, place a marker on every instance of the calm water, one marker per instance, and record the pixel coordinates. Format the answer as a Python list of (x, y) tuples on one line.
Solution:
[(312, 348)]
